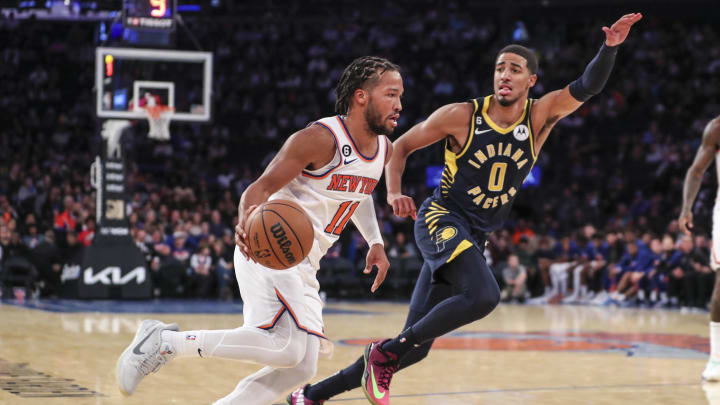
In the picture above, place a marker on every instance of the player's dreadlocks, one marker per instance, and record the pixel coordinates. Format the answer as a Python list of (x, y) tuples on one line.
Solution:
[(362, 73)]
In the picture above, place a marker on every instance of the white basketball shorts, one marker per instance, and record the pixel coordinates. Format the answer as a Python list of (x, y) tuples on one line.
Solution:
[(715, 244), (268, 294)]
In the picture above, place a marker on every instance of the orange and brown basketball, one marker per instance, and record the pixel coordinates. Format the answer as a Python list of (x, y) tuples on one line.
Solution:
[(279, 234)]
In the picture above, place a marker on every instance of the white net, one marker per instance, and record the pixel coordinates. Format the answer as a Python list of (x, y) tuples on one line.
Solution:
[(159, 117)]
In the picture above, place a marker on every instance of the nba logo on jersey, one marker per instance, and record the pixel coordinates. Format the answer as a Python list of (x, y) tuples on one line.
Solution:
[(521, 132)]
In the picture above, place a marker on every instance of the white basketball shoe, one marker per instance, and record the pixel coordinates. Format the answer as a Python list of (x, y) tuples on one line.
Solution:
[(712, 393), (712, 371), (145, 355)]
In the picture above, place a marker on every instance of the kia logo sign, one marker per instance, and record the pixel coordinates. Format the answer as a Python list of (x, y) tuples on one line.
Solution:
[(113, 276)]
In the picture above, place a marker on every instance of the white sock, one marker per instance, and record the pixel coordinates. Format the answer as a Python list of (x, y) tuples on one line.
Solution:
[(576, 280), (715, 341), (186, 343), (641, 295), (663, 297), (555, 283), (282, 346)]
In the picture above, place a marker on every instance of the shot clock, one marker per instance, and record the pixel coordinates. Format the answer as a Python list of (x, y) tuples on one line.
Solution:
[(149, 14)]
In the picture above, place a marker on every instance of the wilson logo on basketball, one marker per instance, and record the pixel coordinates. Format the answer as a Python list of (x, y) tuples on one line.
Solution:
[(282, 241)]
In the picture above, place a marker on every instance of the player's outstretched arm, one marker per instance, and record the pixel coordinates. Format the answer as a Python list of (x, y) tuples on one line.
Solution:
[(693, 178), (451, 119), (558, 104), (312, 145)]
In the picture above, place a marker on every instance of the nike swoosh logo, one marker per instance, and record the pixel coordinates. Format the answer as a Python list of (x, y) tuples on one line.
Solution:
[(378, 394), (347, 162), (478, 132), (136, 349)]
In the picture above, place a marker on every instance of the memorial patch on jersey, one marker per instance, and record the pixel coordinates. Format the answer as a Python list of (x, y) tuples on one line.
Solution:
[(444, 235)]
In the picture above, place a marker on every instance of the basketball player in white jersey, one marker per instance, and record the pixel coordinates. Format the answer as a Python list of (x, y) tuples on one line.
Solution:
[(330, 168), (709, 149)]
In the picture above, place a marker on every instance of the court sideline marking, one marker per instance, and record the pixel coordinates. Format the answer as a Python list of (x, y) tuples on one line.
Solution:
[(509, 390)]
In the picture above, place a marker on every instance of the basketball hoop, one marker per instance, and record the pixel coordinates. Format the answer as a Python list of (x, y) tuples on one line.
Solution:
[(159, 117)]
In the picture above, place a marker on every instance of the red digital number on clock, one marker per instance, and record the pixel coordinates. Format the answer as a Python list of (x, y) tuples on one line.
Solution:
[(159, 7)]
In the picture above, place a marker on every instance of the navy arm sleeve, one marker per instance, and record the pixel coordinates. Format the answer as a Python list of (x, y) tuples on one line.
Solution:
[(595, 76)]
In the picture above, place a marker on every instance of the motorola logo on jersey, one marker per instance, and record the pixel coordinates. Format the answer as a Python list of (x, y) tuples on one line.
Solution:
[(282, 241), (521, 132)]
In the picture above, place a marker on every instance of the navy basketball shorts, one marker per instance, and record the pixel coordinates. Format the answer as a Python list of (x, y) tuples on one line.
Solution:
[(442, 235)]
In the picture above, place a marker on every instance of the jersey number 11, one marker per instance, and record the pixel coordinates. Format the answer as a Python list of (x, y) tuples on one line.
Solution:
[(336, 225)]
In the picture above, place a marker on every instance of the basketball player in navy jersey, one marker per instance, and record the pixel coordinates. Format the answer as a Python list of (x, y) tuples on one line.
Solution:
[(491, 145), (709, 149)]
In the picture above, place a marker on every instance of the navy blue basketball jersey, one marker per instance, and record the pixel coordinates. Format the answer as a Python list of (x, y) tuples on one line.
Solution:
[(483, 179)]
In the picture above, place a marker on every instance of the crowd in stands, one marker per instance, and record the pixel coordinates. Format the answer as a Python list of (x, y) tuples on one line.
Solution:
[(599, 228)]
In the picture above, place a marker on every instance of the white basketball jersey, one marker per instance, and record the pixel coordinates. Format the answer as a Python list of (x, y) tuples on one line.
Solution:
[(717, 172), (715, 243), (331, 194)]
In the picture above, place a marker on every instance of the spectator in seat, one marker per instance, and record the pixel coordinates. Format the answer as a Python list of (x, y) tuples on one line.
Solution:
[(514, 275), (224, 269), (88, 232), (201, 264), (401, 248), (217, 227), (681, 266), (67, 219), (633, 266), (667, 261), (179, 251), (526, 256), (48, 260)]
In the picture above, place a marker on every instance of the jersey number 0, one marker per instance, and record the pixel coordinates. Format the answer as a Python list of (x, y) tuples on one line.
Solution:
[(497, 176)]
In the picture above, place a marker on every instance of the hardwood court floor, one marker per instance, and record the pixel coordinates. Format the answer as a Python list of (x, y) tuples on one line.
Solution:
[(517, 355)]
